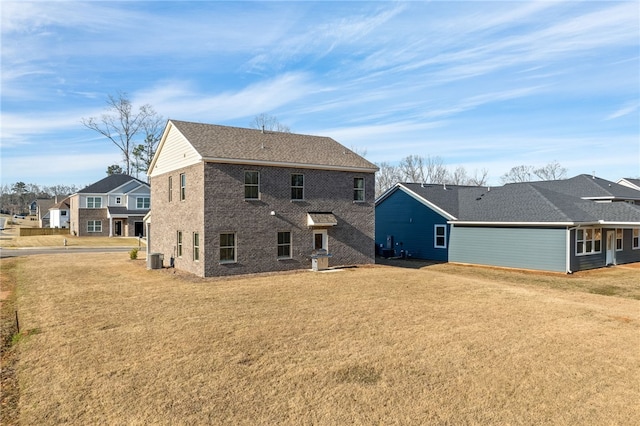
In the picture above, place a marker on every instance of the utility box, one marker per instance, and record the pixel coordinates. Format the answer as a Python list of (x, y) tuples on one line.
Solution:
[(155, 261), (320, 260)]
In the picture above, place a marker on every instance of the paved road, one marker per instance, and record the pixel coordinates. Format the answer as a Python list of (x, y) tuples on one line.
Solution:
[(5, 252)]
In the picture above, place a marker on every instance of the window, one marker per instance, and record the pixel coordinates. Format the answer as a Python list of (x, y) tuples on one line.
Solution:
[(619, 233), (179, 243), (196, 246), (635, 241), (227, 248), (170, 188), (358, 189), (143, 202), (251, 185), (297, 187), (440, 236), (183, 186), (63, 213), (118, 200), (284, 245), (94, 226), (94, 202), (588, 240)]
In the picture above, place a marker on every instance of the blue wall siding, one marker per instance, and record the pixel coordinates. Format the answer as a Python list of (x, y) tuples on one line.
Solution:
[(410, 223), (527, 248), (628, 254), (599, 260)]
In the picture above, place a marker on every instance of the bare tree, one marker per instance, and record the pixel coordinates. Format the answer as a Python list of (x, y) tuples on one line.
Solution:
[(552, 171), (268, 122), (518, 174), (478, 178), (412, 169), (143, 153), (524, 173), (386, 177), (121, 124)]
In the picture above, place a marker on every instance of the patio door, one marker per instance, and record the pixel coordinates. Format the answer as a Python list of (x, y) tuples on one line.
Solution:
[(611, 248)]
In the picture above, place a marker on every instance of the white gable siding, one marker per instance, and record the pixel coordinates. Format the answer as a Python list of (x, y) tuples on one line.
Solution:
[(175, 152)]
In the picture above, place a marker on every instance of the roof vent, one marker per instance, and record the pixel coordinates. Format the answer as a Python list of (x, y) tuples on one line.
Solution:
[(262, 131), (444, 186)]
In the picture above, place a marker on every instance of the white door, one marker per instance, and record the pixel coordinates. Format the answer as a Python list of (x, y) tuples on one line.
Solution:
[(611, 248)]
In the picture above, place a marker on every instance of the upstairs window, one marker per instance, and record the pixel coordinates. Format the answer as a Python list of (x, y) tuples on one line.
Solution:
[(358, 189), (94, 202), (118, 200), (588, 241), (251, 185), (183, 186), (440, 236), (143, 202), (170, 188), (297, 187)]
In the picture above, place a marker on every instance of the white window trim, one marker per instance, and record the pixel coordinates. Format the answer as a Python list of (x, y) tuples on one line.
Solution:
[(435, 236), (615, 239), (635, 247), (593, 241), (196, 247), (179, 244), (363, 189), (290, 245), (93, 200), (235, 249), (95, 222), (244, 187), (298, 187), (118, 200), (143, 198), (183, 186)]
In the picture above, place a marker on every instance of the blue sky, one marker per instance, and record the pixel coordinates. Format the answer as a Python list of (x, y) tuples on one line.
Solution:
[(483, 85)]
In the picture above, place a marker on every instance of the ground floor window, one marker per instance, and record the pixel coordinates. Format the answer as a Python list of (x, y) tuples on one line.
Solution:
[(440, 236), (196, 246), (179, 243), (619, 239), (635, 241), (588, 241), (284, 245), (94, 226), (228, 247)]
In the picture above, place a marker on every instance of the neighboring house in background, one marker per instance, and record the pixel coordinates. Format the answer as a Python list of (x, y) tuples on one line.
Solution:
[(564, 225), (59, 214), (229, 200), (40, 209), (631, 183), (112, 207)]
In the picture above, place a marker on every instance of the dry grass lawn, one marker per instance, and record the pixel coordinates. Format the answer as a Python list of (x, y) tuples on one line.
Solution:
[(104, 341)]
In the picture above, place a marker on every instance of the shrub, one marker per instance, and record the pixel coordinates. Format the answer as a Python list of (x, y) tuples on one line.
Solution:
[(133, 254)]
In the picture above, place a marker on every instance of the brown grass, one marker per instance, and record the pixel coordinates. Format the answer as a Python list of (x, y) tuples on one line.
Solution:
[(72, 241), (113, 343)]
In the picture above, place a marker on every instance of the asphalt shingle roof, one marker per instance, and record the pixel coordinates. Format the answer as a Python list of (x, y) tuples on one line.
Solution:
[(234, 143), (109, 183), (539, 202)]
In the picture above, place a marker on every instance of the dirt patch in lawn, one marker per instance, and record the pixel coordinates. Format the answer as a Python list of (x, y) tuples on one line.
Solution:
[(116, 343)]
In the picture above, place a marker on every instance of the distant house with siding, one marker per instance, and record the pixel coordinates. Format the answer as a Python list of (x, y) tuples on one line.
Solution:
[(112, 207), (566, 225), (229, 200)]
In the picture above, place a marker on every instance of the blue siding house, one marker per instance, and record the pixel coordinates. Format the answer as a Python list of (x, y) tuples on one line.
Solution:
[(563, 226)]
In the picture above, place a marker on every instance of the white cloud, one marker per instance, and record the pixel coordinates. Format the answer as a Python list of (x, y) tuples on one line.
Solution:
[(626, 109)]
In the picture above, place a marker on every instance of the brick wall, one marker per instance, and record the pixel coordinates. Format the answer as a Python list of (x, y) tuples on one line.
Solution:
[(215, 204), (85, 215)]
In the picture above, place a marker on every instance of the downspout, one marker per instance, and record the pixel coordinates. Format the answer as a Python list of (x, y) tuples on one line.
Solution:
[(568, 256)]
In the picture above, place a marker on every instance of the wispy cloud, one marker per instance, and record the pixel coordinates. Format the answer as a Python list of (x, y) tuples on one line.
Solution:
[(626, 109)]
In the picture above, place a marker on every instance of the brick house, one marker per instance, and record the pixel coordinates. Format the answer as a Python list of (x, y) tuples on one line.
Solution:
[(229, 200), (112, 207)]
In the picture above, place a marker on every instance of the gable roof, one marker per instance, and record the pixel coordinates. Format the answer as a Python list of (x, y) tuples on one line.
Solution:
[(110, 183), (224, 144), (630, 182), (62, 205), (542, 203)]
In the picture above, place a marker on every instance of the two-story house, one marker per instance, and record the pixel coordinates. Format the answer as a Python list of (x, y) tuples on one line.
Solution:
[(59, 214), (112, 207), (230, 200)]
